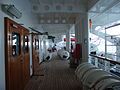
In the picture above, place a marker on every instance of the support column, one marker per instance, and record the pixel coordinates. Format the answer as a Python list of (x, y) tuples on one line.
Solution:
[(30, 38), (68, 40), (85, 39), (81, 34)]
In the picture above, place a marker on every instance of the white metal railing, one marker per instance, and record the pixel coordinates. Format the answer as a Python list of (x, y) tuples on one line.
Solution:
[(105, 63)]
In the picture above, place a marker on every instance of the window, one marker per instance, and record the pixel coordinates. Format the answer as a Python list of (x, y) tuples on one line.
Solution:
[(26, 44), (36, 44), (16, 44)]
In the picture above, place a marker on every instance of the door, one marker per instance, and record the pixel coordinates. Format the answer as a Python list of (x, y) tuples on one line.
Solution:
[(13, 55), (35, 53), (26, 56), (17, 57)]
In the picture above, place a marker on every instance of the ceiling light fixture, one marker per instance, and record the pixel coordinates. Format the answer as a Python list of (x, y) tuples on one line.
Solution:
[(41, 21), (11, 10), (49, 21), (63, 21), (56, 21)]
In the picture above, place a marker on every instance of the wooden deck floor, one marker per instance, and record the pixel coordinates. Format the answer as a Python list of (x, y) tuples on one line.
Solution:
[(54, 75)]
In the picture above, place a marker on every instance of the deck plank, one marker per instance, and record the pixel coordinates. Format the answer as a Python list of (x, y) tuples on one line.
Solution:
[(54, 75)]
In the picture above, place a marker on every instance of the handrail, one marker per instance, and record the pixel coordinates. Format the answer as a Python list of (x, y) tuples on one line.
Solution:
[(105, 59)]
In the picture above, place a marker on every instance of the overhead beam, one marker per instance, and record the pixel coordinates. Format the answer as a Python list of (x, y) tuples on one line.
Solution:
[(35, 30)]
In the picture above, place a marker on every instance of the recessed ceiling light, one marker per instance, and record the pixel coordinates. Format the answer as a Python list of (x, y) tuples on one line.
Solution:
[(41, 21), (49, 21), (56, 21), (63, 21)]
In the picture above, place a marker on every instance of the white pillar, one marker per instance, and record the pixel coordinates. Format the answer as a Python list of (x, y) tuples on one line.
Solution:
[(30, 38), (68, 40), (81, 34), (44, 47)]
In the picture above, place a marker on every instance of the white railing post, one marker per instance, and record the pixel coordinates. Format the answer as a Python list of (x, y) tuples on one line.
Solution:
[(90, 57), (107, 66), (96, 62)]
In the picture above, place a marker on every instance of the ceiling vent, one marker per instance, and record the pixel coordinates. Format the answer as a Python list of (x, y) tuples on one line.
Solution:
[(11, 10)]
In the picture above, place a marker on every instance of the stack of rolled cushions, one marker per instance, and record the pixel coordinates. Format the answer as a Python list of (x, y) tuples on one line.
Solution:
[(93, 78)]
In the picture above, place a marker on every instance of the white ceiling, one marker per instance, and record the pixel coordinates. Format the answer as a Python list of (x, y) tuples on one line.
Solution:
[(56, 16)]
